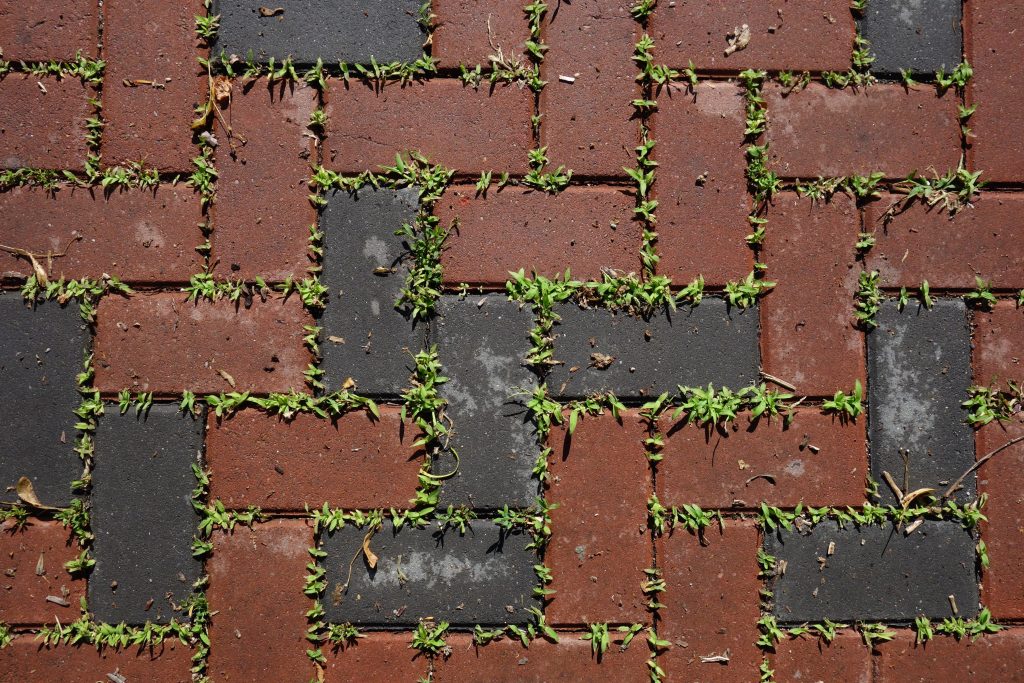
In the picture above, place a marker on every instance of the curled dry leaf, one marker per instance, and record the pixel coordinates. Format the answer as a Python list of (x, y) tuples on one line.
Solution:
[(601, 360), (738, 39), (371, 557), (222, 90), (268, 12), (27, 494)]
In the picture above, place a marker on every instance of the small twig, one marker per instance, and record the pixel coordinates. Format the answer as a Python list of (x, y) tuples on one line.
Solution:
[(975, 466), (782, 383)]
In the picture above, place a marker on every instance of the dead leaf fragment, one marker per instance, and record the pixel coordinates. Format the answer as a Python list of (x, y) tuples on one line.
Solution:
[(601, 360), (335, 339), (41, 565), (222, 90), (267, 12), (28, 495), (371, 558), (227, 378), (738, 39), (349, 383)]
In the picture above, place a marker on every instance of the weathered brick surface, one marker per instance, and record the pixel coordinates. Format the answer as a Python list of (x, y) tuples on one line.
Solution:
[(846, 658), (142, 515), (151, 41), (164, 344), (973, 243), (998, 349), (366, 129), (823, 131), (701, 189), (23, 588), (807, 332), (256, 581), (721, 348), (600, 544), (507, 661), (584, 229), (57, 30), (358, 31), (484, 576), (711, 604), (920, 368), (874, 573), (42, 122), (28, 661), (470, 32), (138, 235), (998, 657), (1003, 533), (483, 341), (588, 124), (42, 349), (783, 35), (262, 216), (379, 657), (369, 338), (912, 36), (352, 462), (816, 460), (992, 44)]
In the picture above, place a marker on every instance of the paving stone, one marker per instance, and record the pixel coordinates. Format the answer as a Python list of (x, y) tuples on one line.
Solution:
[(482, 342), (999, 345), (43, 129), (142, 513), (993, 657), (24, 589), (41, 352), (26, 660), (874, 573), (53, 30), (470, 31), (709, 343), (364, 266), (845, 659), (377, 657), (1002, 479), (920, 368), (482, 577), (911, 34), (350, 31)]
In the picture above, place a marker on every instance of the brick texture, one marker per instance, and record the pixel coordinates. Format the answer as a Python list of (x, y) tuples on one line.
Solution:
[(584, 229), (137, 235), (1003, 533), (27, 661), (379, 657), (262, 216), (822, 131), (164, 344), (993, 657), (23, 599), (352, 462), (366, 129), (846, 658), (57, 30), (42, 122), (151, 41), (256, 580), (471, 31), (998, 350), (807, 332)]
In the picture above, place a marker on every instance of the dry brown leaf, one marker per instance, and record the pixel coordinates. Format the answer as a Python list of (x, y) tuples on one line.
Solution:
[(27, 494), (222, 90), (39, 271), (41, 565), (267, 12), (601, 360), (335, 339), (227, 378), (371, 558), (349, 383)]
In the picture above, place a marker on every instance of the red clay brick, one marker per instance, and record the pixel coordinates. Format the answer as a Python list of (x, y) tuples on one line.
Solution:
[(999, 344), (588, 125), (164, 344), (352, 462), (256, 581), (701, 188), (815, 36), (993, 42), (262, 215), (377, 658), (137, 235), (54, 30), (711, 604), (26, 660), (23, 595), (451, 124), (600, 545), (846, 659), (43, 129), (996, 657), (585, 229), (151, 40), (927, 244), (829, 132), (1002, 478), (807, 332), (470, 31), (714, 471), (568, 661)]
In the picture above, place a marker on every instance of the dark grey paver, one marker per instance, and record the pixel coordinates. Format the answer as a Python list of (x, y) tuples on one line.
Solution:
[(142, 513), (920, 369), (365, 266), (41, 351), (483, 342), (690, 346), (874, 573), (343, 30), (482, 577), (921, 35)]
